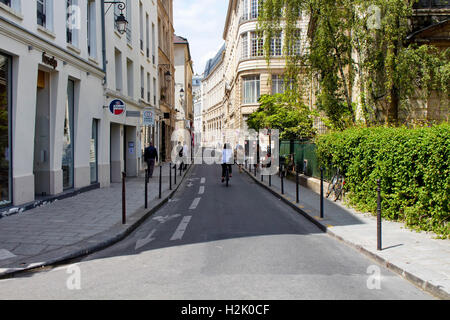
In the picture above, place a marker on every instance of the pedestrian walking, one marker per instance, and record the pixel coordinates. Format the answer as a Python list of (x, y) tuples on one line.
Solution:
[(150, 157)]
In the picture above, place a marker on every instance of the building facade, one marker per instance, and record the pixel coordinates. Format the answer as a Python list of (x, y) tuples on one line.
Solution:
[(183, 84), (198, 108), (240, 74), (166, 76), (213, 93), (51, 89), (131, 76), (72, 91)]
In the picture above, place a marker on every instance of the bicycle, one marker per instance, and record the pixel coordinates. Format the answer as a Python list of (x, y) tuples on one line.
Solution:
[(336, 186), (227, 175)]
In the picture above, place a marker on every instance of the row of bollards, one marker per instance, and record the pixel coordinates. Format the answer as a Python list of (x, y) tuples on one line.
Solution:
[(147, 178), (322, 195)]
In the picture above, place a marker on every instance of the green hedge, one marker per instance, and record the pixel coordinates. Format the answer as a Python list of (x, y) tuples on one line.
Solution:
[(413, 165)]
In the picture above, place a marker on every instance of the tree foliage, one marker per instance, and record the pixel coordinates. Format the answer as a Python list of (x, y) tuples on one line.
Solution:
[(277, 112), (358, 54)]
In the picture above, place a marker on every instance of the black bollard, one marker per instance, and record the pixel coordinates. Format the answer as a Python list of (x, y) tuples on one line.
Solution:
[(175, 173), (124, 208), (160, 182), (146, 189), (321, 193), (170, 176), (379, 245), (297, 186)]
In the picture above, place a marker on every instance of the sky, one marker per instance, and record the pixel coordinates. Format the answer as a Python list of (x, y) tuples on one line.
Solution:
[(202, 23)]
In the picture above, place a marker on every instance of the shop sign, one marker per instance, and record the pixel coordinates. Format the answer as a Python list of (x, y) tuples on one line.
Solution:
[(117, 107)]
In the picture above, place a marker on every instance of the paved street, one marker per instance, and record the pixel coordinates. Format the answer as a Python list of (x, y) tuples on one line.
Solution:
[(213, 242)]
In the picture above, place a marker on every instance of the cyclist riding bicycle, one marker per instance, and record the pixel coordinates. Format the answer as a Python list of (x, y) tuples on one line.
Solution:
[(227, 160)]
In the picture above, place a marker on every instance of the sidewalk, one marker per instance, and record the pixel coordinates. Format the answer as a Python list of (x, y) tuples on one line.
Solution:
[(75, 226), (417, 257)]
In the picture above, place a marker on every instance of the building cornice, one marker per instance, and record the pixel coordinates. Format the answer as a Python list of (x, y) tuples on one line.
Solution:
[(27, 38)]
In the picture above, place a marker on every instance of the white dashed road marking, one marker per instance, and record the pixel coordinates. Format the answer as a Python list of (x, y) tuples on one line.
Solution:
[(178, 235), (202, 181), (195, 204), (202, 190)]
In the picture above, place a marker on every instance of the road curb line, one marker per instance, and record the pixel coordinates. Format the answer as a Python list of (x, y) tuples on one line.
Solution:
[(432, 289), (101, 244)]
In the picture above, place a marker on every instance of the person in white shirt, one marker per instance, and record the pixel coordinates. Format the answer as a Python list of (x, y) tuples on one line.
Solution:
[(227, 160)]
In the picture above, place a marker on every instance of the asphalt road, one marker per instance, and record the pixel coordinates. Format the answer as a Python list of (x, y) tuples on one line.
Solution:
[(214, 242)]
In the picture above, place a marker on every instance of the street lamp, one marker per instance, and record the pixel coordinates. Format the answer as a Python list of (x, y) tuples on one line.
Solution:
[(121, 22)]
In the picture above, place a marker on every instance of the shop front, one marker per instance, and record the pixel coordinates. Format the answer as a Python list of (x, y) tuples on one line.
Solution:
[(5, 130)]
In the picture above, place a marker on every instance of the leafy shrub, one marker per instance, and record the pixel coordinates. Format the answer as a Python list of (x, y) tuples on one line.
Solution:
[(412, 164)]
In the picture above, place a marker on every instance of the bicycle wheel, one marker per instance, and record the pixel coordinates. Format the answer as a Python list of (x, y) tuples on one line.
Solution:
[(338, 188), (227, 175), (331, 186)]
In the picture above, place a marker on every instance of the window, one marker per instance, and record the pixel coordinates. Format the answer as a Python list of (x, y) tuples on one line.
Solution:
[(294, 46), (257, 44), (147, 26), (14, 4), (5, 130), (94, 152), (251, 86), (141, 26), (142, 83), (118, 71), (130, 78), (254, 9), (91, 29), (153, 43), (148, 88), (154, 91), (73, 20), (68, 142), (128, 17), (245, 10), (276, 44), (244, 45), (41, 12), (277, 84)]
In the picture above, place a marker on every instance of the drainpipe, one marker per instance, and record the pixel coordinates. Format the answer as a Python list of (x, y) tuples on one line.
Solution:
[(102, 3)]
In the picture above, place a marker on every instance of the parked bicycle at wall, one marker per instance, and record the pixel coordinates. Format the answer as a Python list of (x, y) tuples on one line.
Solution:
[(336, 186)]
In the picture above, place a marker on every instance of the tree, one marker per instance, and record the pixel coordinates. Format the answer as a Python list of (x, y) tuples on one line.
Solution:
[(359, 44), (294, 122)]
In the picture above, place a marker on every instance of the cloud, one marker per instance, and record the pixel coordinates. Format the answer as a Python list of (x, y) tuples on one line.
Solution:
[(202, 23)]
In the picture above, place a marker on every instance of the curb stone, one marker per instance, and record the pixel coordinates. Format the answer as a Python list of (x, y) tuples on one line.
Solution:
[(432, 289), (97, 242)]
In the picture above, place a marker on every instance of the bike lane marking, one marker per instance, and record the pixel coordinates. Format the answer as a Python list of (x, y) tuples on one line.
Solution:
[(178, 235), (195, 204)]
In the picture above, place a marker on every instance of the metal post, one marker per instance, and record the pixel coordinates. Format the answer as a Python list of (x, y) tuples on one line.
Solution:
[(170, 176), (160, 182), (297, 185), (270, 180), (124, 209), (321, 192), (282, 180), (175, 173), (379, 246), (146, 189)]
